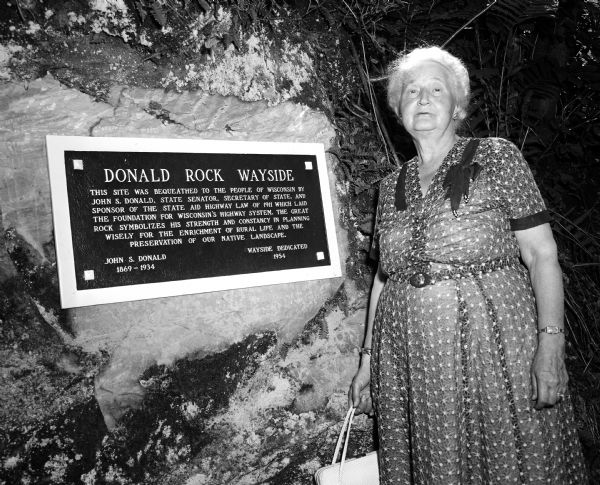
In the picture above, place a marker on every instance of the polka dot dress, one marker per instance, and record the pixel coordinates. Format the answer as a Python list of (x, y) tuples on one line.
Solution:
[(451, 360)]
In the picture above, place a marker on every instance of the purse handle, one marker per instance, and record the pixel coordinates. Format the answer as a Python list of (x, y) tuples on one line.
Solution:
[(348, 422)]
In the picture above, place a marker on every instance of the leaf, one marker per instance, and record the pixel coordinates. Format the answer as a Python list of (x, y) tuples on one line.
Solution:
[(211, 42), (227, 40), (514, 12), (204, 5), (141, 11), (326, 15), (158, 13)]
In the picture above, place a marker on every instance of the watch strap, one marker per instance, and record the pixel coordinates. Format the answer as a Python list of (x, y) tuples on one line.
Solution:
[(551, 329)]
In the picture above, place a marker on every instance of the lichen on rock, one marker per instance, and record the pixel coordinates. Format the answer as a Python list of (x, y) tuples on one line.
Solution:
[(112, 17), (262, 69)]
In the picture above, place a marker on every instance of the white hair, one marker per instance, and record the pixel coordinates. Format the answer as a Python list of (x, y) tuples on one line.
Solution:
[(405, 62)]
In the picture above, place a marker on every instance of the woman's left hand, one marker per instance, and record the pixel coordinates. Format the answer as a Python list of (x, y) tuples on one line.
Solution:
[(549, 376)]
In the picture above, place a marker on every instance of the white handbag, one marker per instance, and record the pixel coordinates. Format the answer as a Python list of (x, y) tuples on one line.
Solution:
[(355, 471)]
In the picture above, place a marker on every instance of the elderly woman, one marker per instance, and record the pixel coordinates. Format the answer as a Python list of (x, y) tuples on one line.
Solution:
[(464, 346)]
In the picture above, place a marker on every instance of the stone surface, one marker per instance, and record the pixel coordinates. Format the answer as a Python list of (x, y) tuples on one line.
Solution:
[(140, 333), (331, 362), (29, 112), (7, 268)]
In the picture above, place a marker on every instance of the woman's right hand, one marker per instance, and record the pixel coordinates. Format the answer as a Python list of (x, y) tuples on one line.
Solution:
[(359, 394)]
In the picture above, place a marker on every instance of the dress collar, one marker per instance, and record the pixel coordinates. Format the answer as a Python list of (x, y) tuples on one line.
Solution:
[(412, 185)]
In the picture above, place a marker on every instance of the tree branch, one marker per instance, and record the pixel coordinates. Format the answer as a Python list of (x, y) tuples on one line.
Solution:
[(469, 23), (377, 115)]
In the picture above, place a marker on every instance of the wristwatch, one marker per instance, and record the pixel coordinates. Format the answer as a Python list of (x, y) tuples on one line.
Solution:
[(551, 330)]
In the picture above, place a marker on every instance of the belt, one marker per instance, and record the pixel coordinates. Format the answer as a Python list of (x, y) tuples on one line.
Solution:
[(422, 278)]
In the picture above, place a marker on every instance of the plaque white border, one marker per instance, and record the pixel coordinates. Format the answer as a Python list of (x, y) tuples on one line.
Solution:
[(72, 297)]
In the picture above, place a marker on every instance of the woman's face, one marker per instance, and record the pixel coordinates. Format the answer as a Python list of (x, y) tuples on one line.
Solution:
[(428, 102)]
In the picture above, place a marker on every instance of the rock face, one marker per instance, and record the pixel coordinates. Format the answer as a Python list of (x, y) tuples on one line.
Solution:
[(141, 333)]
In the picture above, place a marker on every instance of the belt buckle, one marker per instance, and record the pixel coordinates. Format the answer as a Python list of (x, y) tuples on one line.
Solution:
[(419, 280)]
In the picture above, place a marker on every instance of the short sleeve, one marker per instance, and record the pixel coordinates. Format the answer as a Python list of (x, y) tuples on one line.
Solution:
[(515, 186)]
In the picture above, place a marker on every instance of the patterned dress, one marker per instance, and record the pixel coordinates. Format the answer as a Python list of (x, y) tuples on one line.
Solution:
[(451, 359)]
